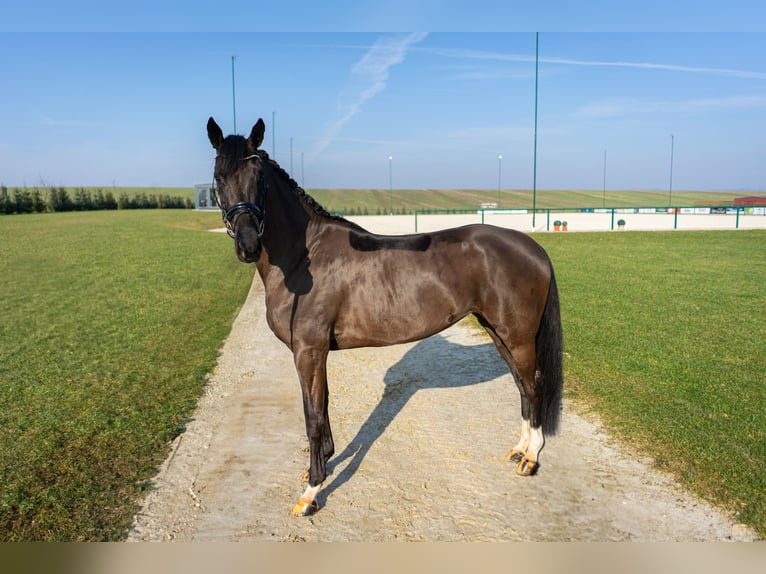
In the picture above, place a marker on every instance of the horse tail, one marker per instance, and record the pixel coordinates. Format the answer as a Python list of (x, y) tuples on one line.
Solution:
[(550, 347)]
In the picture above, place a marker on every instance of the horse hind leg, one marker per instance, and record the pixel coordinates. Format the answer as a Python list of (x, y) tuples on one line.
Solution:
[(522, 364), (527, 451)]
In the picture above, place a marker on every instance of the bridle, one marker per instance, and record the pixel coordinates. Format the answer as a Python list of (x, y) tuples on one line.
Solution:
[(256, 212)]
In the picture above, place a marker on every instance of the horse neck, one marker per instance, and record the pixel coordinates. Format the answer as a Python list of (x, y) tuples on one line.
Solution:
[(287, 220)]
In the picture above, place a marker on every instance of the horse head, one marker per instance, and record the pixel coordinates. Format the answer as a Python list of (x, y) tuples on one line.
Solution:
[(239, 187)]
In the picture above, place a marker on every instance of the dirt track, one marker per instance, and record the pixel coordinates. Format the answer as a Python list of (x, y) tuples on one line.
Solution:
[(421, 431)]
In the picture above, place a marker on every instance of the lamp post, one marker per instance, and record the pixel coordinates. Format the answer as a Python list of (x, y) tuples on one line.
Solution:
[(499, 177)]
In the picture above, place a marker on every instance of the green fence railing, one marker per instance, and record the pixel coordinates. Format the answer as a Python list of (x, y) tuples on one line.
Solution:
[(615, 213)]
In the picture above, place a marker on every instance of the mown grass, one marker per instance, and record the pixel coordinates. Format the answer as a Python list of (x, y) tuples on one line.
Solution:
[(111, 321), (381, 200), (664, 336)]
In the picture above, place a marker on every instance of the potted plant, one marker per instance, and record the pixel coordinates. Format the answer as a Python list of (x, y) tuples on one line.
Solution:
[(563, 226), (621, 224), (556, 225)]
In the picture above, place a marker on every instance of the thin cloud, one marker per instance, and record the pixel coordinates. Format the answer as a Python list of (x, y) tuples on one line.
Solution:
[(369, 76), (496, 56)]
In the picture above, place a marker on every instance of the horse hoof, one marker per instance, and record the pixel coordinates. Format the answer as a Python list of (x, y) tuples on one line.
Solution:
[(305, 508), (526, 467), (514, 456)]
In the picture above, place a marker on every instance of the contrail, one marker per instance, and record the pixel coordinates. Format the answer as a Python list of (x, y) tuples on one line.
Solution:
[(368, 78)]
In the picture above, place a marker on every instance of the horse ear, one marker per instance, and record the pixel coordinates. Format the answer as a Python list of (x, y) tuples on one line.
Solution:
[(214, 133), (256, 135)]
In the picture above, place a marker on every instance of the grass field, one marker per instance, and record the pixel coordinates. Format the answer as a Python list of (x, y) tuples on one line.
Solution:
[(112, 319), (664, 339), (110, 322), (382, 201), (376, 201)]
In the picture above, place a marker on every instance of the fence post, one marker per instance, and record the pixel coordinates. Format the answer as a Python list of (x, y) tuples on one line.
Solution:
[(612, 219), (675, 218), (416, 221), (737, 220)]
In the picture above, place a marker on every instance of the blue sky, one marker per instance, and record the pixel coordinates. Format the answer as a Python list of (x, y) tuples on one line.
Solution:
[(112, 101)]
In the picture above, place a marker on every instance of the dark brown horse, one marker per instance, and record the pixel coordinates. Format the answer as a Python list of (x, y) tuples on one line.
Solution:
[(332, 285)]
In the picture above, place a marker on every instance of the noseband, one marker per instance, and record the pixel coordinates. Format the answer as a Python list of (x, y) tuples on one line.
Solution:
[(256, 213)]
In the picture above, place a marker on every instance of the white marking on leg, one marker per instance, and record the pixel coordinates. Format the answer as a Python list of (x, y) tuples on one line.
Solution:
[(536, 443), (523, 443), (310, 493), (306, 504)]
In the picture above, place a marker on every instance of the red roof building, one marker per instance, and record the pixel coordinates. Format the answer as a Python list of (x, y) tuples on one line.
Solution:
[(757, 200)]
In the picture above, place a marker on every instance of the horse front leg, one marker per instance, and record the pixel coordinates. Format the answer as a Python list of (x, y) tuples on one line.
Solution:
[(311, 364)]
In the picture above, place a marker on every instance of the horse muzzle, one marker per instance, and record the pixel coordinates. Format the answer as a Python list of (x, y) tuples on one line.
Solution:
[(246, 231), (247, 243)]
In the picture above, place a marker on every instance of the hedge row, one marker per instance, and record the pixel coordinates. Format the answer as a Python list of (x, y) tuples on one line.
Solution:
[(57, 199)]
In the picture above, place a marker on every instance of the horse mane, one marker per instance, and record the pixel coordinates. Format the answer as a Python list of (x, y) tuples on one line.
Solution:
[(305, 198), (235, 149)]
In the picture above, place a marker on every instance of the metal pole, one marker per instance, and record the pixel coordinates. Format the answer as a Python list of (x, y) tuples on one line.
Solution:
[(534, 176), (233, 93), (274, 134), (604, 205), (390, 186), (670, 193), (303, 177), (291, 156), (499, 177)]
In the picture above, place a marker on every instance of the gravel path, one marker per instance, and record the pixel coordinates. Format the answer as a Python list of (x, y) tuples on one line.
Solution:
[(421, 431)]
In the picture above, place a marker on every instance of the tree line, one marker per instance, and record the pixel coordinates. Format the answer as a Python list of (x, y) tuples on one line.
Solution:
[(57, 199)]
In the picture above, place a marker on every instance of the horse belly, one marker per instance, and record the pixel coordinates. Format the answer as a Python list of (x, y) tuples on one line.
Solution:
[(399, 307)]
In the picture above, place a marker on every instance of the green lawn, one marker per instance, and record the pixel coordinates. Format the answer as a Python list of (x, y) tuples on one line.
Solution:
[(112, 319), (664, 337), (381, 200), (110, 322)]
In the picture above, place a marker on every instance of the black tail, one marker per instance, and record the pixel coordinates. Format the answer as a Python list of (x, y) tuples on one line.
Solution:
[(550, 348)]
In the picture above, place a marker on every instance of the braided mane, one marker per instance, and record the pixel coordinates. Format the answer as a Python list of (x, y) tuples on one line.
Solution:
[(315, 206), (235, 149)]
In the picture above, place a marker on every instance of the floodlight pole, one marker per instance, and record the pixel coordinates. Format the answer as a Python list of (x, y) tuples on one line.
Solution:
[(499, 177), (534, 173), (670, 189), (233, 93), (604, 205), (390, 185)]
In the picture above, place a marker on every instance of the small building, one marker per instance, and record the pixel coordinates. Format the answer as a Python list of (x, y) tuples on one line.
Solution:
[(750, 201), (203, 196)]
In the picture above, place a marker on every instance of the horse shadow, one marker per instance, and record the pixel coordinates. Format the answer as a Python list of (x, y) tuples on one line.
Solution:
[(433, 363)]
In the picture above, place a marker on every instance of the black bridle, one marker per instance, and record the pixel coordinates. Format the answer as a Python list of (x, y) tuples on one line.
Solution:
[(256, 212)]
